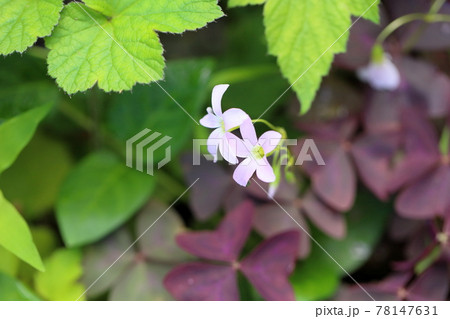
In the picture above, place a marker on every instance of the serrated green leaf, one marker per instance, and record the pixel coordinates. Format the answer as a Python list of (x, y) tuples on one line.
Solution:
[(367, 9), (15, 235), (16, 133), (23, 21), (305, 36), (13, 290), (59, 281), (241, 3), (99, 195), (114, 43)]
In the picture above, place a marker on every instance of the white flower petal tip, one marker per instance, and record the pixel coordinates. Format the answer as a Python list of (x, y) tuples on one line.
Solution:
[(216, 98), (382, 75)]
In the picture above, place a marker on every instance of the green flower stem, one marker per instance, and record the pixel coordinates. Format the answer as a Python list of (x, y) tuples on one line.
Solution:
[(445, 141), (437, 5), (397, 23), (170, 185)]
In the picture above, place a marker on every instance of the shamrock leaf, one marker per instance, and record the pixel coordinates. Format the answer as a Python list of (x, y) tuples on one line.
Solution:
[(138, 274), (267, 267), (115, 44), (23, 21)]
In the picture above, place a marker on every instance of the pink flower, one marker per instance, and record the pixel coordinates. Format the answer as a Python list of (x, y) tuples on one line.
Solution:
[(255, 153), (220, 138), (381, 75)]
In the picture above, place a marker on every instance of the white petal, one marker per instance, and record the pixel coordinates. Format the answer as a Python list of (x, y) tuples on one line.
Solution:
[(381, 76), (214, 140), (228, 150), (210, 121), (269, 141), (248, 132), (216, 98), (244, 171), (264, 171), (234, 118), (237, 146)]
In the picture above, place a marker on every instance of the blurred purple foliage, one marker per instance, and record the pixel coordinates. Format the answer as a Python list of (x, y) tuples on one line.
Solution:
[(267, 267)]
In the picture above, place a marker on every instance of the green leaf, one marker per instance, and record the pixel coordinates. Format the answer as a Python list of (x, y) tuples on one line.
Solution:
[(9, 264), (241, 3), (115, 44), (33, 181), (15, 235), (317, 277), (149, 107), (314, 279), (13, 290), (23, 21), (305, 36), (59, 281), (98, 196), (16, 133), (24, 85)]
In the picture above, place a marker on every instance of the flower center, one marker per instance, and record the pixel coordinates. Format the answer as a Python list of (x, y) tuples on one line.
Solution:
[(258, 152), (222, 125)]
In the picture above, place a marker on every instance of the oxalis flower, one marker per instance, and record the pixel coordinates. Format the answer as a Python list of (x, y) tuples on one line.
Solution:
[(255, 152), (381, 75), (221, 139)]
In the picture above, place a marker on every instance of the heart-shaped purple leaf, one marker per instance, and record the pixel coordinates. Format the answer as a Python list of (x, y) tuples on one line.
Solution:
[(225, 243), (203, 201), (372, 155), (431, 285), (271, 220), (427, 197), (329, 221), (270, 264), (202, 282), (335, 182)]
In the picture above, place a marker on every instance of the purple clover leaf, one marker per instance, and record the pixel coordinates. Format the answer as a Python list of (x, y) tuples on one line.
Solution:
[(430, 285), (137, 274), (346, 156), (424, 173), (267, 267)]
